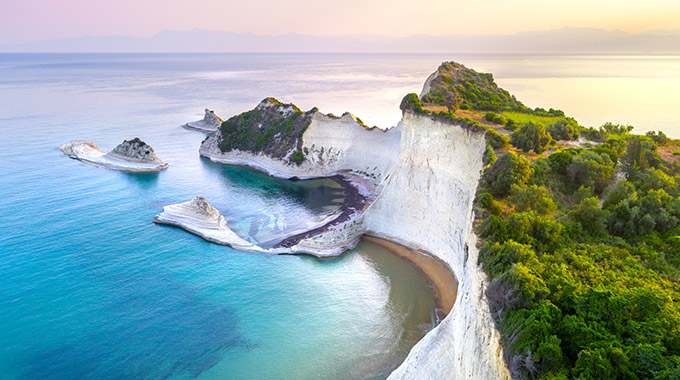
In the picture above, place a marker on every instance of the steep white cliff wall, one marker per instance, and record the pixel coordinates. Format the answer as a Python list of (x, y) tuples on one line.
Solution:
[(427, 204)]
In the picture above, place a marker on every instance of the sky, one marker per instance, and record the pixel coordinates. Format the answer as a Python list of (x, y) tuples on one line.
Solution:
[(30, 20)]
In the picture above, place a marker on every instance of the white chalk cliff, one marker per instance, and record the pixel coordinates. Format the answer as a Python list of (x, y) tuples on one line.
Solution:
[(423, 174), (208, 124), (131, 156)]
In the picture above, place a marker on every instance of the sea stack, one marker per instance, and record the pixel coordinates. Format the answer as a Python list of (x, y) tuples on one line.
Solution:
[(208, 124), (199, 217), (134, 156)]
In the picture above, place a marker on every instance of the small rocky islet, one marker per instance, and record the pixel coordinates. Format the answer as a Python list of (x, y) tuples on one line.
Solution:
[(133, 156)]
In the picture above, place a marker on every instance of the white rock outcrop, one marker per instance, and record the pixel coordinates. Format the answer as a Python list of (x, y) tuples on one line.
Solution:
[(131, 156), (208, 124), (199, 217)]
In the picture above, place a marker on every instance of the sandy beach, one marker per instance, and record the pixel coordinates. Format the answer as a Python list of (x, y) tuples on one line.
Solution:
[(444, 283)]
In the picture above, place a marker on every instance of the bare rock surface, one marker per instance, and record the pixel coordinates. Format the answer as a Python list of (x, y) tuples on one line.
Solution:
[(208, 124)]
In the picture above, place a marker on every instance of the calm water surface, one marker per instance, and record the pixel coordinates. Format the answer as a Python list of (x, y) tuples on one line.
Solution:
[(90, 288)]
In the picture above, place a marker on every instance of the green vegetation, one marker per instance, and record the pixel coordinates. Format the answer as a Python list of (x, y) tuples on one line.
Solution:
[(271, 130), (519, 118), (495, 118), (585, 264), (411, 102), (565, 129), (531, 137), (456, 86), (495, 139), (507, 171)]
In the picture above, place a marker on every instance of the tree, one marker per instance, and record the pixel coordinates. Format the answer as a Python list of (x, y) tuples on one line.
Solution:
[(590, 169), (531, 137), (532, 198), (565, 129), (508, 170)]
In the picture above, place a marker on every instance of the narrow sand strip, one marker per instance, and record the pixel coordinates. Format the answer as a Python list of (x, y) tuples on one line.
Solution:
[(444, 283)]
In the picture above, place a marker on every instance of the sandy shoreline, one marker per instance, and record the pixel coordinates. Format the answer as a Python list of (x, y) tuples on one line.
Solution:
[(444, 283)]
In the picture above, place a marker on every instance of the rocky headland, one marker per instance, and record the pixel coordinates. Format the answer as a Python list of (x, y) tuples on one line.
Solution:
[(131, 156), (208, 124)]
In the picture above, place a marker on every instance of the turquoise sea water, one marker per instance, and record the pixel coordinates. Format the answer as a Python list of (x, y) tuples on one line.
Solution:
[(90, 288)]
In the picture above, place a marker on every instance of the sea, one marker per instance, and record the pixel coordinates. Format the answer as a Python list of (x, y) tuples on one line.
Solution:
[(90, 288)]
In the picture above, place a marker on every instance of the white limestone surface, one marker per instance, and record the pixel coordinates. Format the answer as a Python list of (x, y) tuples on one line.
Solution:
[(199, 217), (90, 154), (208, 124), (427, 204)]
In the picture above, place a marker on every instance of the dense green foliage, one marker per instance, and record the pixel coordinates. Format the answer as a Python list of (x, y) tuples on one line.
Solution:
[(507, 171), (275, 130), (411, 102), (565, 129), (584, 265), (495, 118), (495, 139), (531, 136)]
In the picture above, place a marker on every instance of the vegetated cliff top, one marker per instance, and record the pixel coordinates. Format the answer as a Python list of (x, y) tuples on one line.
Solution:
[(455, 86), (272, 128)]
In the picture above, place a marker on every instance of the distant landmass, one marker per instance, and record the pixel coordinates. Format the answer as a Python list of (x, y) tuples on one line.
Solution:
[(571, 40)]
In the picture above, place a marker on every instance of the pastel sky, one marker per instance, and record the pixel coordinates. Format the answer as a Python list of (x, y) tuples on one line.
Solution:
[(29, 20)]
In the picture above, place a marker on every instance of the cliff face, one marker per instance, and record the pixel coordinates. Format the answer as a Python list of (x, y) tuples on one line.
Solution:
[(427, 204)]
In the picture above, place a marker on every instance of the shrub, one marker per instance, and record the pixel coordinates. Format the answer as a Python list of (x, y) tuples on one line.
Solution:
[(659, 138), (495, 139), (590, 169), (494, 118), (531, 137), (411, 102), (508, 170), (489, 156), (532, 198), (616, 129), (565, 129)]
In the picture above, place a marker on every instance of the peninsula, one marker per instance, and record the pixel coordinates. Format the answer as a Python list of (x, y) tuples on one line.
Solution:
[(134, 156)]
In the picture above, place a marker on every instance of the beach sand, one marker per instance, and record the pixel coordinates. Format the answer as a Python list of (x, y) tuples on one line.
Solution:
[(444, 283)]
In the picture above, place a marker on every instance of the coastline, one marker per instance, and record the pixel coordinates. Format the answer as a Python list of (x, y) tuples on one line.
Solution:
[(442, 280), (353, 206)]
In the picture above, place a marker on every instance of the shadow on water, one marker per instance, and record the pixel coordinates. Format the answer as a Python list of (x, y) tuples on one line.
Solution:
[(143, 180), (313, 194)]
